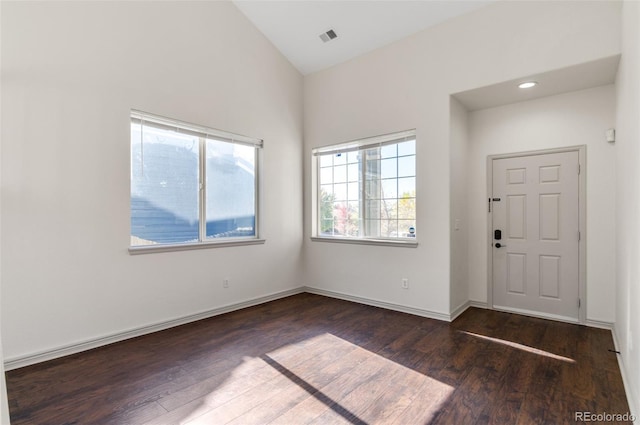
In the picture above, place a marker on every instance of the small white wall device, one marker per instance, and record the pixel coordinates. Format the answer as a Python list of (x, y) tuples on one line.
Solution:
[(611, 135)]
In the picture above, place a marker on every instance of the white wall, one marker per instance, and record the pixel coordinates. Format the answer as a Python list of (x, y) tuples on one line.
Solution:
[(71, 73), (459, 234), (577, 118), (627, 327), (407, 85), (4, 404)]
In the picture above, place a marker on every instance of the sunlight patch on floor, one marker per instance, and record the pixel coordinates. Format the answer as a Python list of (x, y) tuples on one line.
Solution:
[(245, 375), (522, 347), (321, 379)]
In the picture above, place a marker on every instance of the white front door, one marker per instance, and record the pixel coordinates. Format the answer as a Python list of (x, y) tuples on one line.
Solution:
[(535, 232)]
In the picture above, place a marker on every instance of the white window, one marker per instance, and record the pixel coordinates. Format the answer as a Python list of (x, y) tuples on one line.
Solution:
[(191, 185), (366, 189)]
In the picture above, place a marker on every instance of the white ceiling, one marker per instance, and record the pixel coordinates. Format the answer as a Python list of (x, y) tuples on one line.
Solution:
[(361, 25)]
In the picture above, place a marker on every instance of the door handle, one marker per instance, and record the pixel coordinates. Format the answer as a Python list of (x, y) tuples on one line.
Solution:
[(499, 245)]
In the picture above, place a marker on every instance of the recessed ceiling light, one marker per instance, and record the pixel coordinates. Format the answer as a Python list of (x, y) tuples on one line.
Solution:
[(527, 84)]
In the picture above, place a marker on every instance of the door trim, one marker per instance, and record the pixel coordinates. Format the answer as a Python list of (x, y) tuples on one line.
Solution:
[(582, 208)]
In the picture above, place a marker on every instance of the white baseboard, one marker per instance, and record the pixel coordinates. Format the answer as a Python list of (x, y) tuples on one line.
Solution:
[(383, 304), (30, 359), (539, 315), (61, 351), (631, 397), (65, 350), (464, 306), (459, 310), (478, 304), (599, 324)]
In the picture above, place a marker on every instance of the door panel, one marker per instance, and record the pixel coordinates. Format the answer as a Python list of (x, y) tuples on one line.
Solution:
[(516, 267), (517, 216), (549, 216), (536, 269), (550, 276)]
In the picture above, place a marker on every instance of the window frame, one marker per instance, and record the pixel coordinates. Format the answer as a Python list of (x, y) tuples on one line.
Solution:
[(360, 145), (203, 134)]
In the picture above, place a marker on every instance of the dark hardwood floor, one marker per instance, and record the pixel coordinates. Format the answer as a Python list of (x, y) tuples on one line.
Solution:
[(309, 359)]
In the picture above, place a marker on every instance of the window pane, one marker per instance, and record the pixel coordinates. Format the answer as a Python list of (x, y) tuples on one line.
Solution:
[(404, 228), (373, 209), (353, 157), (353, 173), (407, 187), (407, 166), (326, 160), (373, 189), (372, 228), (230, 189), (407, 148), (326, 175), (353, 190), (345, 219), (389, 209), (340, 217), (353, 229), (389, 228), (326, 227), (339, 159), (372, 171), (326, 190), (326, 210), (354, 210), (389, 151), (372, 168), (340, 191), (407, 208), (390, 188), (340, 174), (164, 187), (326, 205), (389, 168)]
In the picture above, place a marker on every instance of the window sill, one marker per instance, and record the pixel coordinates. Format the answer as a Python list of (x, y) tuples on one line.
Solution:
[(378, 242), (149, 249)]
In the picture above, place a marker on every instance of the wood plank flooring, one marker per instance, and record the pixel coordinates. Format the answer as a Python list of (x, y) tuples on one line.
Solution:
[(308, 359)]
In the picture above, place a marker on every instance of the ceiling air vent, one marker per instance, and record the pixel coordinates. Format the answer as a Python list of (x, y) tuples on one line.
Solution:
[(328, 36)]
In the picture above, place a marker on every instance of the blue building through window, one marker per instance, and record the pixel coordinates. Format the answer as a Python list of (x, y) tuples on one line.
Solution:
[(190, 185)]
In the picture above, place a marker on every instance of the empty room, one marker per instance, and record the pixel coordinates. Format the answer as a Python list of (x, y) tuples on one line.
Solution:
[(319, 212)]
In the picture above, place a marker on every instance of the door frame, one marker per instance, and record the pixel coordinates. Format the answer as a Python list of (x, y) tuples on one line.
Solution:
[(582, 208)]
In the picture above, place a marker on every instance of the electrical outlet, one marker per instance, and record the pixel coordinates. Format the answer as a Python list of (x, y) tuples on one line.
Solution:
[(405, 283), (225, 283)]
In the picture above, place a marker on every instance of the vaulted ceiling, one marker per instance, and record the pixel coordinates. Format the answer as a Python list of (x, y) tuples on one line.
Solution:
[(361, 26)]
